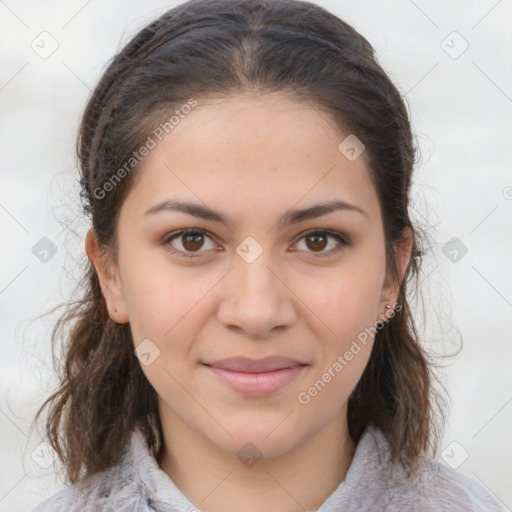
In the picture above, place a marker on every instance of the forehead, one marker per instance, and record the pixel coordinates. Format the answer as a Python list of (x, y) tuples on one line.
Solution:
[(253, 153)]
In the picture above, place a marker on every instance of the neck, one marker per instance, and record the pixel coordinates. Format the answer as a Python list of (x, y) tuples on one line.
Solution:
[(214, 480)]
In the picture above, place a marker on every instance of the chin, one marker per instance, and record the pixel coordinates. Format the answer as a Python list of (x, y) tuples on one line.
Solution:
[(266, 438)]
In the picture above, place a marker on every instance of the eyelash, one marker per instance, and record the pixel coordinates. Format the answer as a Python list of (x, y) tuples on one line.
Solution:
[(343, 242)]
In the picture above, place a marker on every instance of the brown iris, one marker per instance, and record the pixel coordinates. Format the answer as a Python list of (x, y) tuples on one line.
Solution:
[(316, 245), (193, 241)]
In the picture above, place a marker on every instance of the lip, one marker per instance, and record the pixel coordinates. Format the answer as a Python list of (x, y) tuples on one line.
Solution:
[(256, 377), (248, 365)]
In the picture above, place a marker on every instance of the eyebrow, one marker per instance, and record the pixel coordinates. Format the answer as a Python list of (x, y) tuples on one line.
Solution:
[(290, 217)]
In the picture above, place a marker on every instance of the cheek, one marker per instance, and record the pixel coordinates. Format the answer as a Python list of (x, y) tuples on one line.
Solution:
[(345, 302), (168, 306), (167, 310), (156, 294), (347, 307)]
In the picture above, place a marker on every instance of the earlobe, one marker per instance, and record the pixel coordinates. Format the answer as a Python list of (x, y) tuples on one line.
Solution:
[(391, 288), (109, 280)]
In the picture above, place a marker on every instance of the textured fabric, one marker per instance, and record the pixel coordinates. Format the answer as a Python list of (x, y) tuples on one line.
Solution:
[(137, 484)]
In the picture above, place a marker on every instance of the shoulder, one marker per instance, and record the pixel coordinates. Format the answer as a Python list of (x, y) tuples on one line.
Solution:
[(108, 490), (60, 501), (374, 483), (440, 487), (135, 484)]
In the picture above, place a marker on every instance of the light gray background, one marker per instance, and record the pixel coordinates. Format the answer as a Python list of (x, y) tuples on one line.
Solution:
[(461, 110)]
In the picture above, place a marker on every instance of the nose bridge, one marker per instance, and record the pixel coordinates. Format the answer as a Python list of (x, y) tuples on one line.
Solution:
[(256, 285), (255, 277), (257, 300)]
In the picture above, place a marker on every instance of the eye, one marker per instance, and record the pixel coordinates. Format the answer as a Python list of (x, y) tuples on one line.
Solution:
[(191, 241), (318, 240)]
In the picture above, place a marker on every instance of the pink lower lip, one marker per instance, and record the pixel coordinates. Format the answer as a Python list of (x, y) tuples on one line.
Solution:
[(255, 384)]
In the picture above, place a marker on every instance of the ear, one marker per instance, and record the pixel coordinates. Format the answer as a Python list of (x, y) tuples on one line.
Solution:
[(391, 287), (109, 279)]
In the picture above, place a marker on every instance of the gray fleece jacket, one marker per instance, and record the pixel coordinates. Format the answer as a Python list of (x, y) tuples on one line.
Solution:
[(137, 484)]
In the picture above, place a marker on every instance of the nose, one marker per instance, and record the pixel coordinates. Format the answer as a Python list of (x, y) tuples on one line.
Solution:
[(256, 299)]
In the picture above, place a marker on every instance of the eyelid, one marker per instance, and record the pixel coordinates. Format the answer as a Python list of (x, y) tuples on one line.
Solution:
[(343, 241)]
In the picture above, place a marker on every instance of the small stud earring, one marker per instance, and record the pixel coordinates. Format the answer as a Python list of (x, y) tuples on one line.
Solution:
[(389, 311)]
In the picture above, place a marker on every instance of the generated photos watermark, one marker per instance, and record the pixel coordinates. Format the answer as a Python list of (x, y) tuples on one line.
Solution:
[(305, 397), (156, 136)]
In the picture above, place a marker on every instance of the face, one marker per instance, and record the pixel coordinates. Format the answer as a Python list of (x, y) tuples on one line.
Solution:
[(250, 282)]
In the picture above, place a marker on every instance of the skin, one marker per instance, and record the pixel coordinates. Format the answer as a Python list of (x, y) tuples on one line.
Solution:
[(253, 158)]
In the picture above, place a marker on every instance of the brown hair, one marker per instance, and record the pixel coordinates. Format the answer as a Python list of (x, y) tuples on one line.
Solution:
[(218, 48)]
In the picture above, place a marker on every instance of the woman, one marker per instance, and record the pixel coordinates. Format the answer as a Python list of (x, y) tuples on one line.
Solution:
[(245, 342)]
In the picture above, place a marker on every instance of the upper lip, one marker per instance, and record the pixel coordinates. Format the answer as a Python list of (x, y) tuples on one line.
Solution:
[(247, 365)]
